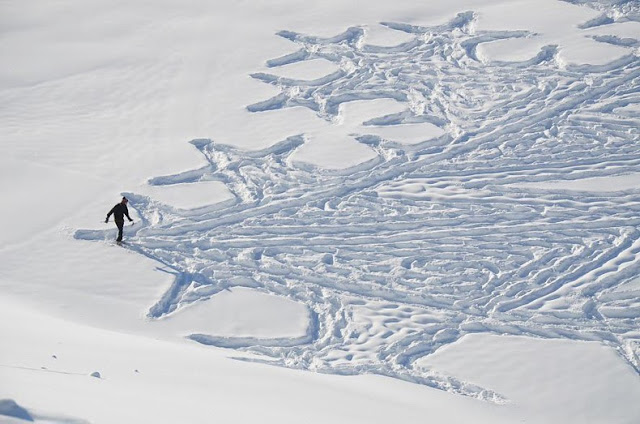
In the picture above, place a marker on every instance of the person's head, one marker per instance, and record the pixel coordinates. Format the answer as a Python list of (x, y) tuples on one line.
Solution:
[(125, 200)]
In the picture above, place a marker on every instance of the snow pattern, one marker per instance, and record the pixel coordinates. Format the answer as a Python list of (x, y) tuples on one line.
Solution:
[(434, 240)]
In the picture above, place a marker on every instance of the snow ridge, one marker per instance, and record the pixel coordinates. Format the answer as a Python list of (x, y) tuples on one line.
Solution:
[(432, 241)]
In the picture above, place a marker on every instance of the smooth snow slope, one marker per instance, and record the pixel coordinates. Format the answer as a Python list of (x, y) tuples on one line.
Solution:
[(382, 192)]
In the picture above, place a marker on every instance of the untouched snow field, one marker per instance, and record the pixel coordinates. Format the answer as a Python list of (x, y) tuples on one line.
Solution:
[(408, 212)]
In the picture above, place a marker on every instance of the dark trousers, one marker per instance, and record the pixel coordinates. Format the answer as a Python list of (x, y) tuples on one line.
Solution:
[(120, 225)]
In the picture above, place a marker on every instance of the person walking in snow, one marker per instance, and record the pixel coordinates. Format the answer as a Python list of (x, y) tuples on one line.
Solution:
[(119, 211)]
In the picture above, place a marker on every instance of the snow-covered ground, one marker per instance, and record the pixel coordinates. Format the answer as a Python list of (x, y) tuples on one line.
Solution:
[(404, 211)]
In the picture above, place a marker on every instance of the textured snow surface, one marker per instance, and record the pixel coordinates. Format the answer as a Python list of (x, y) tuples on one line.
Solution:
[(568, 376), (47, 366), (412, 251), (440, 199)]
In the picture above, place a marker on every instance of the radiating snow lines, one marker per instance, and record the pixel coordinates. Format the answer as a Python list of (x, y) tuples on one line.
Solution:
[(436, 239)]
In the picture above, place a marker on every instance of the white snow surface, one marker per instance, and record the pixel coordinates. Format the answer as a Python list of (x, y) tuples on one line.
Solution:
[(574, 374), (190, 195), (307, 70), (241, 312), (597, 184), (403, 211)]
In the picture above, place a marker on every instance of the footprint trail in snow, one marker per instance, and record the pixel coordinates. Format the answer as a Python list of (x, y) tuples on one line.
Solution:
[(432, 240)]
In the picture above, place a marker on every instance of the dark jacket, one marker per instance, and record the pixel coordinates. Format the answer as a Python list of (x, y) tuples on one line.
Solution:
[(119, 211)]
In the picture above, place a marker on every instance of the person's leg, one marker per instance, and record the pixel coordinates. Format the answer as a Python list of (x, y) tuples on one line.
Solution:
[(120, 226)]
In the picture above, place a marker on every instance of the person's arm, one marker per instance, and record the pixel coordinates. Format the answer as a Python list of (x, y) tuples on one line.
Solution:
[(109, 214), (126, 212)]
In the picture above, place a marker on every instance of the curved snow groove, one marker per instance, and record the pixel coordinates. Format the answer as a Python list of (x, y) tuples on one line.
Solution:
[(434, 241)]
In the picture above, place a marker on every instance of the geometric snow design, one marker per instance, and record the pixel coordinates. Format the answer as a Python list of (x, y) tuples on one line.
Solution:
[(433, 240)]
